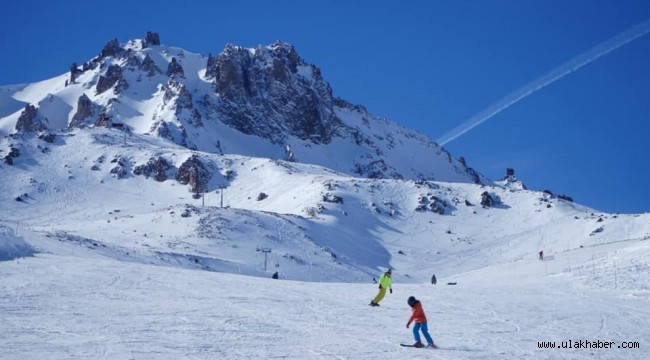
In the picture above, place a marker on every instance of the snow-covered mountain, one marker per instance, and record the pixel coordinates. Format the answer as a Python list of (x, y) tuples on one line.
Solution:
[(262, 102), (158, 238)]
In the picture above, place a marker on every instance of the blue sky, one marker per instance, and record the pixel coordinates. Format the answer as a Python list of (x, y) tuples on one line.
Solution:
[(428, 65)]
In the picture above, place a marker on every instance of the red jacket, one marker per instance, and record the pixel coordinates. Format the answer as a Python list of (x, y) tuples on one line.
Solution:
[(418, 314)]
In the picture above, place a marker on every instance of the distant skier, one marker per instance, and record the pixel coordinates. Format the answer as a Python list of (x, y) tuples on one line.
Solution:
[(385, 282), (541, 255), (420, 320)]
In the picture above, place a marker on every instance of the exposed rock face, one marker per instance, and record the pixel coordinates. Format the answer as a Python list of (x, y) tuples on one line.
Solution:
[(272, 92), (373, 170), (74, 70), (510, 180), (112, 48), (156, 167), (47, 137), (120, 169), (13, 153), (194, 173), (553, 196), (29, 121), (133, 62), (331, 198), (149, 67), (175, 70), (152, 38), (486, 199), (476, 178), (178, 99), (108, 80), (177, 95), (84, 111), (429, 202), (212, 68)]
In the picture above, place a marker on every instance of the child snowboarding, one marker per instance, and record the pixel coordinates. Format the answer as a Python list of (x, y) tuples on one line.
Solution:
[(385, 282), (420, 319)]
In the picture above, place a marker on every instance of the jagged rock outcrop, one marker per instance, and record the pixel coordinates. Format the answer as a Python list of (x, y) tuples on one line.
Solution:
[(47, 137), (178, 100), (174, 132), (85, 110), (181, 99), (430, 202), (194, 173), (511, 182), (486, 199), (212, 68), (149, 67), (565, 197), (151, 38), (119, 171), (112, 48), (177, 96), (331, 198), (112, 76), (13, 153), (272, 92), (175, 70), (74, 70), (156, 167), (559, 196), (373, 170), (29, 120), (133, 62)]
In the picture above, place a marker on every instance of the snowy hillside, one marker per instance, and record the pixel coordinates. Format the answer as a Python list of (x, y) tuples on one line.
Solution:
[(158, 239), (92, 187)]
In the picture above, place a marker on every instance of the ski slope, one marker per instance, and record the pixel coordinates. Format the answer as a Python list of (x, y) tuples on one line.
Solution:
[(70, 302), (93, 266)]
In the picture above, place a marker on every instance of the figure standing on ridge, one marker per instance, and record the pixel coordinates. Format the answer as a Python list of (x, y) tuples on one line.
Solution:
[(420, 320), (385, 282), (541, 255)]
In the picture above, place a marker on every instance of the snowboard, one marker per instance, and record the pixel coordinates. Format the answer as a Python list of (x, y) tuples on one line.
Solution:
[(411, 345)]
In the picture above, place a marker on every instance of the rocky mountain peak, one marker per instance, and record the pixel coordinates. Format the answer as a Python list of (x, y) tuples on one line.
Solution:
[(270, 92), (265, 101), (151, 38)]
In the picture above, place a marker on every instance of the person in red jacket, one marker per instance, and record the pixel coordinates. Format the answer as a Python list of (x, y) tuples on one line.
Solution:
[(420, 320)]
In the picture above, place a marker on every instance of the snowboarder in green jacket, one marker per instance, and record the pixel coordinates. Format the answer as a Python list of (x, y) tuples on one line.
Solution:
[(385, 282)]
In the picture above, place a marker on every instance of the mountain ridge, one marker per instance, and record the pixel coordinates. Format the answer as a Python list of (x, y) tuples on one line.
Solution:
[(268, 95)]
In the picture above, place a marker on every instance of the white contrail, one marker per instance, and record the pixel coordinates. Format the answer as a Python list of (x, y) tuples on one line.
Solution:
[(547, 79)]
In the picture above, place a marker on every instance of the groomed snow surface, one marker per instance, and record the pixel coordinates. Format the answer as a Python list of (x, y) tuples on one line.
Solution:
[(75, 304)]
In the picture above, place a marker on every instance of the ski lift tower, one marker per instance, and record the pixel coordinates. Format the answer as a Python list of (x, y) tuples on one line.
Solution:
[(266, 252), (221, 189)]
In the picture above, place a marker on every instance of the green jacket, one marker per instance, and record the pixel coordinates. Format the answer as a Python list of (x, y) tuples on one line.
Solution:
[(386, 281)]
